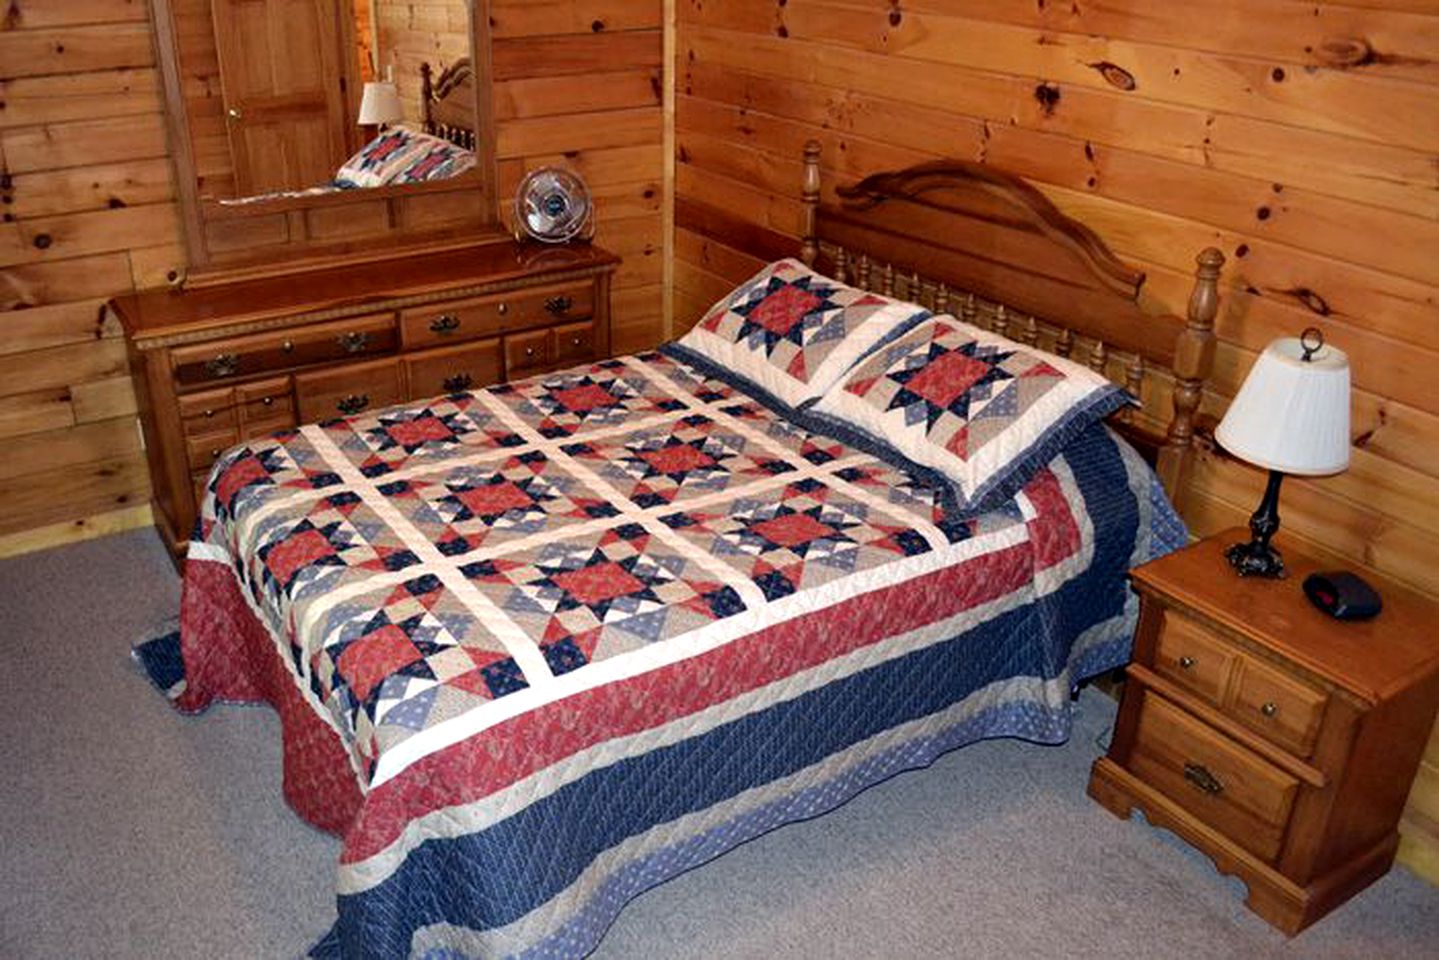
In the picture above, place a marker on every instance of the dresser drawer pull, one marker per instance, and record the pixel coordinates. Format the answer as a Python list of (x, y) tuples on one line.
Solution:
[(502, 308), (445, 323), (224, 365), (559, 305), (1187, 662), (577, 341), (1269, 709), (288, 346), (529, 353), (353, 404), (1203, 779), (355, 341), (460, 381), (208, 413), (268, 401)]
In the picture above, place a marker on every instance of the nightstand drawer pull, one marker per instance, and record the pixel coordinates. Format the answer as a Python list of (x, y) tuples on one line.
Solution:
[(268, 401), (460, 381), (1269, 709), (224, 365), (1187, 663), (354, 341), (1200, 776), (353, 404), (445, 323), (559, 305)]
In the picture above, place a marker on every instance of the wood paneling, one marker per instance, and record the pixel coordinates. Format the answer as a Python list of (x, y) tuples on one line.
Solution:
[(1301, 138), (580, 83)]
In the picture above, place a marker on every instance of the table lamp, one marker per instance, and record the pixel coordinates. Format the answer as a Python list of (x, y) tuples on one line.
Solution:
[(1290, 416), (380, 104)]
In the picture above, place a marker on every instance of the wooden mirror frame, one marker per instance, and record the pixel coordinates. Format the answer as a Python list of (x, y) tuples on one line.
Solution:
[(294, 233)]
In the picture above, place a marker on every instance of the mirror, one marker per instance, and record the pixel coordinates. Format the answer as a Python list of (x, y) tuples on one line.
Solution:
[(327, 95), (303, 128)]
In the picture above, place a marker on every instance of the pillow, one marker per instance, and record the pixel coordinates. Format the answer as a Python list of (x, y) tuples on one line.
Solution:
[(794, 332), (982, 410), (402, 155)]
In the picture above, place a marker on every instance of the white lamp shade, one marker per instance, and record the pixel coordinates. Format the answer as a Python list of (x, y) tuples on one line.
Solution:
[(1292, 415), (380, 104)]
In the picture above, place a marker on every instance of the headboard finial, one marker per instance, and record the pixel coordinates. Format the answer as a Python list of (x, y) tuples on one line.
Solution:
[(809, 198)]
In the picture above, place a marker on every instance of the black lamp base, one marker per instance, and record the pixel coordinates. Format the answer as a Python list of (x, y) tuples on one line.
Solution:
[(1257, 558)]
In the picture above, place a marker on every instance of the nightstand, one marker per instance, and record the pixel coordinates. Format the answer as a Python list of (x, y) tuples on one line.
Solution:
[(1276, 740)]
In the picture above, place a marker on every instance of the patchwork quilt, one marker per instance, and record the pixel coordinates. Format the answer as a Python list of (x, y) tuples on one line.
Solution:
[(538, 647)]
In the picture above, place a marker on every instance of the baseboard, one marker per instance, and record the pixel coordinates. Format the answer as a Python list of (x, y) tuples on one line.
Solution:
[(74, 531)]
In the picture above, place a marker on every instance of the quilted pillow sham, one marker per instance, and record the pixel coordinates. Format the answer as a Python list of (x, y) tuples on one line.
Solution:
[(794, 332), (982, 410)]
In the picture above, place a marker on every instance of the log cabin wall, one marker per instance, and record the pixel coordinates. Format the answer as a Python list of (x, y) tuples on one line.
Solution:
[(1301, 138), (88, 207), (581, 83), (89, 212)]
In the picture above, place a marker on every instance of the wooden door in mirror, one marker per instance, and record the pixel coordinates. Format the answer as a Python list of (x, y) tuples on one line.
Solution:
[(268, 160)]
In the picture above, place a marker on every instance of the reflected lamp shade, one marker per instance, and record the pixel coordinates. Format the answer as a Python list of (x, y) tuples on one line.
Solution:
[(1290, 416), (380, 104)]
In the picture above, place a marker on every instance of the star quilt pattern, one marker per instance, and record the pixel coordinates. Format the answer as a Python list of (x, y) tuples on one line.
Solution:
[(983, 410), (793, 332)]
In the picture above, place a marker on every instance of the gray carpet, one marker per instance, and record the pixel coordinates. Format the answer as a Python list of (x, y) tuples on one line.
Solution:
[(130, 831)]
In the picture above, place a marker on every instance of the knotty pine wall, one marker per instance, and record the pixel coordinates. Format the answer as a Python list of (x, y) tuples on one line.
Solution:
[(1301, 138), (88, 212)]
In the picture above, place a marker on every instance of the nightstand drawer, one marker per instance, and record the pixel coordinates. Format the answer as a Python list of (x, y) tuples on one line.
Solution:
[(1228, 787), (1276, 706), (1192, 657), (205, 449)]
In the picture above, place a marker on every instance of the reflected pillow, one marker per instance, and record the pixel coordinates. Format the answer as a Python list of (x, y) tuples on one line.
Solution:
[(984, 411), (402, 155), (794, 332)]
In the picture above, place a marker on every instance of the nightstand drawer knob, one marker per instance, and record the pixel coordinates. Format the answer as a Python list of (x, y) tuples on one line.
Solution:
[(1269, 709), (1203, 779), (1187, 662)]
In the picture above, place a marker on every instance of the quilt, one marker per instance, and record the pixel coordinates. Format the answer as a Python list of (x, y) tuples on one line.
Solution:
[(538, 647)]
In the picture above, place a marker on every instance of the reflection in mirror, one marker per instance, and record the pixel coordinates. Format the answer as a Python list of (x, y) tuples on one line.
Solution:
[(322, 96)]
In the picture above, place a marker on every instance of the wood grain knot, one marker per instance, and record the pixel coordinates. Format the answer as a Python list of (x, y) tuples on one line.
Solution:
[(1114, 74)]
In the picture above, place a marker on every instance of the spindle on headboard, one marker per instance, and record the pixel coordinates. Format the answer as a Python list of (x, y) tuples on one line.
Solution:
[(809, 205), (886, 280), (941, 298), (1029, 336), (841, 265), (1064, 343), (1001, 321), (1193, 361), (861, 277)]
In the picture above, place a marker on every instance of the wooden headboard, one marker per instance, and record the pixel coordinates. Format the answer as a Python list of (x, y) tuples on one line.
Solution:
[(964, 238), (447, 103)]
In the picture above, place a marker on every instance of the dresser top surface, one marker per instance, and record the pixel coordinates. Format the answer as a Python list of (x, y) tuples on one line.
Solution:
[(161, 312), (1373, 658)]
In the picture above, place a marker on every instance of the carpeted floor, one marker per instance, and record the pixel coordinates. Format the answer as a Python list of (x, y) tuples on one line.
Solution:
[(130, 831)]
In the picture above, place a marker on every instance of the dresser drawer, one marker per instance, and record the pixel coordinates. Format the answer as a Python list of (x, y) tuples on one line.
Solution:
[(1277, 706), (348, 390), (221, 360), (1225, 785), (457, 320), (265, 399), (527, 353), (209, 411), (454, 369), (205, 448), (575, 342), (1194, 658)]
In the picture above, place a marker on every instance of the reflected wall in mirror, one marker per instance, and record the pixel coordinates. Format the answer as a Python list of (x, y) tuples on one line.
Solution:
[(264, 99)]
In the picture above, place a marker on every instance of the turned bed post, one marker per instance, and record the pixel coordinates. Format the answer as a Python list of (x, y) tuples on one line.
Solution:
[(1193, 362), (809, 199)]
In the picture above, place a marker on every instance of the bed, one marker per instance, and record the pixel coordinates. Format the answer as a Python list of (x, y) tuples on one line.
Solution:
[(539, 647)]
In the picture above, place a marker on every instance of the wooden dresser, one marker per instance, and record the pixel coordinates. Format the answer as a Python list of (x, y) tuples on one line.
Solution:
[(219, 364), (1280, 742)]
